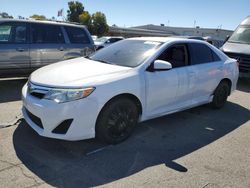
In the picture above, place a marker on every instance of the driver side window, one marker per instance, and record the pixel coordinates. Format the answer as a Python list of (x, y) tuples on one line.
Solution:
[(176, 55)]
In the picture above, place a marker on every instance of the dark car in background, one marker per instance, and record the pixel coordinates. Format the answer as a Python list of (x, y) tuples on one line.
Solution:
[(26, 45), (238, 47)]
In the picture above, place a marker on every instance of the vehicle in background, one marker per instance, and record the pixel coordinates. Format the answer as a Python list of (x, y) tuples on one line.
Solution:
[(134, 80), (216, 42), (106, 41), (26, 45), (238, 47), (94, 37)]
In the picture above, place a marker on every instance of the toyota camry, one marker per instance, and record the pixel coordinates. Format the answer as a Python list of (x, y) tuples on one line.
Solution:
[(106, 94)]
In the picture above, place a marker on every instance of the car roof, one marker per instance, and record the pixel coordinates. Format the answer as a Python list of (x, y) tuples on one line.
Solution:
[(246, 21), (41, 21)]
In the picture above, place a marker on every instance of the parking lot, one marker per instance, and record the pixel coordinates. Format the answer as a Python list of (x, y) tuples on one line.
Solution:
[(200, 147)]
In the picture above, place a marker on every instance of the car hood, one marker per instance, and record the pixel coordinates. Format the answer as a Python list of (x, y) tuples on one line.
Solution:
[(229, 47), (77, 72)]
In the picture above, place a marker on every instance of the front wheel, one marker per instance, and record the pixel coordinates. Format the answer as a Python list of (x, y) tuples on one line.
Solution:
[(220, 95), (117, 121)]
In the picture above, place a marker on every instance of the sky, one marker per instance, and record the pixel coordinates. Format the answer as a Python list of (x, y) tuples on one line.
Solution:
[(127, 13)]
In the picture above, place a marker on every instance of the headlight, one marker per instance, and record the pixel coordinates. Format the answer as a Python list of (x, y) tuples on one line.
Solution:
[(66, 95)]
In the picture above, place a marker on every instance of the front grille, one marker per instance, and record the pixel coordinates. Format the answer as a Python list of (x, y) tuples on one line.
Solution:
[(244, 61), (37, 95), (37, 91), (35, 119)]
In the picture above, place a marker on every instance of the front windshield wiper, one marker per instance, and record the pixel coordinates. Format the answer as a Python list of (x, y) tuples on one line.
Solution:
[(101, 60)]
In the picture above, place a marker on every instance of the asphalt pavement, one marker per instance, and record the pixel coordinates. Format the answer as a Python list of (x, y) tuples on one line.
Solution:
[(200, 147)]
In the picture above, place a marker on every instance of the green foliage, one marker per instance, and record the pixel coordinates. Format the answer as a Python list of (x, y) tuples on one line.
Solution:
[(5, 15), (38, 17), (85, 19), (99, 24), (75, 9)]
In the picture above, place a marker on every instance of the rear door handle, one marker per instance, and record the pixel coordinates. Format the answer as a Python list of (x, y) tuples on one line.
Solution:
[(20, 49)]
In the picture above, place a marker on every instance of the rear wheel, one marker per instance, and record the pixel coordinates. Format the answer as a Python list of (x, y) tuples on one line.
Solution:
[(117, 120), (220, 95)]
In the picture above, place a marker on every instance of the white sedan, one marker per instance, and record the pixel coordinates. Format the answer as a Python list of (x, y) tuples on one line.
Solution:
[(107, 94)]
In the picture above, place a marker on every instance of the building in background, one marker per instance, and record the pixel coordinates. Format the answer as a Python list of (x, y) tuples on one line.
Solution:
[(161, 30), (136, 32)]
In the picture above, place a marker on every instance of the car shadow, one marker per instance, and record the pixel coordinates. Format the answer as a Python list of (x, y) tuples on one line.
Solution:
[(11, 89), (156, 142)]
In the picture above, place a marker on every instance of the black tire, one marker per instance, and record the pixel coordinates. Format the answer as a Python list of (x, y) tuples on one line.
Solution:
[(220, 95), (117, 121)]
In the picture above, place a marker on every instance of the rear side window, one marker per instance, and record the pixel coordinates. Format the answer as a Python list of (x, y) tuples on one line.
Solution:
[(13, 33), (77, 35), (201, 53), (43, 33)]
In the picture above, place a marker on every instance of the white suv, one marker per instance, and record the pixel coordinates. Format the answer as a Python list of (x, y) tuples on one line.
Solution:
[(108, 93)]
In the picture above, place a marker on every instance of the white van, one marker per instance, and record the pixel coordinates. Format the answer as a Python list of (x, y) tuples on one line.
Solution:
[(238, 47)]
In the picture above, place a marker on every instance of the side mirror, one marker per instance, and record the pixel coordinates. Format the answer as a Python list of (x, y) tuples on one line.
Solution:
[(160, 65)]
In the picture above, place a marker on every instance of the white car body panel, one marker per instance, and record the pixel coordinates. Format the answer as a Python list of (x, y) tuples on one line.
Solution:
[(185, 87), (75, 73)]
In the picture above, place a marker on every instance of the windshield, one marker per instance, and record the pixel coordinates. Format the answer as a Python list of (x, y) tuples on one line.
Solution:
[(241, 35), (128, 53), (102, 39)]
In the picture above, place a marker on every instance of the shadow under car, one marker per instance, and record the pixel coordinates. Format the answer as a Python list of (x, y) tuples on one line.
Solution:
[(160, 141)]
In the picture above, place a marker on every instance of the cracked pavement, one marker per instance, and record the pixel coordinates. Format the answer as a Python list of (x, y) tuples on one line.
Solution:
[(200, 147)]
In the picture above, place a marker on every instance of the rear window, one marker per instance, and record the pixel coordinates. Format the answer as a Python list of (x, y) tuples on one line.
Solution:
[(201, 53), (77, 35), (42, 33)]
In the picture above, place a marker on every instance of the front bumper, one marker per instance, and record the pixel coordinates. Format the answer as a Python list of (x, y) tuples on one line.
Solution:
[(83, 112)]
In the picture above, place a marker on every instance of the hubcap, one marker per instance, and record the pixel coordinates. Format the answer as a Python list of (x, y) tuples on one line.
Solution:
[(120, 122)]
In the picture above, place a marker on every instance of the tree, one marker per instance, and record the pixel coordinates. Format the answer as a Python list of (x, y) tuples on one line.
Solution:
[(85, 19), (38, 17), (99, 24), (5, 15), (75, 9)]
